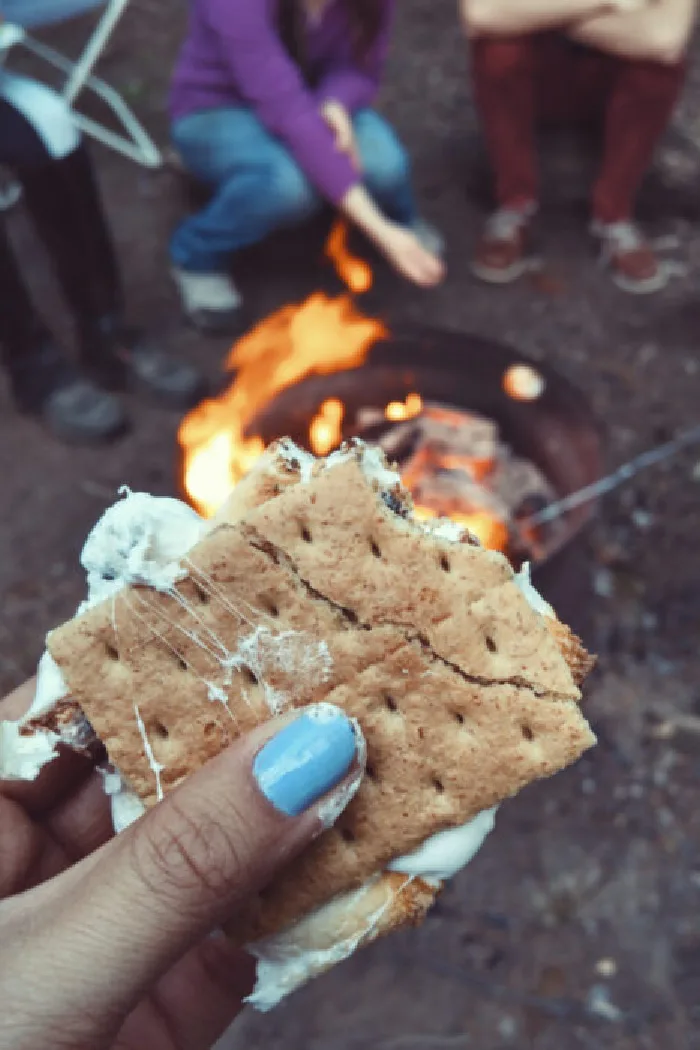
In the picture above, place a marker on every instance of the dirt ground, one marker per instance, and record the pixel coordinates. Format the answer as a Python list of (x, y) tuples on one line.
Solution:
[(578, 926)]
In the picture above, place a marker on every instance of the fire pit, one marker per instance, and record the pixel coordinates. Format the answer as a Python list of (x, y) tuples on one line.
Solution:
[(480, 433)]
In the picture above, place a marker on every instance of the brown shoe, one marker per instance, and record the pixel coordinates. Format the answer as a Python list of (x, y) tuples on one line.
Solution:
[(633, 264), (503, 253)]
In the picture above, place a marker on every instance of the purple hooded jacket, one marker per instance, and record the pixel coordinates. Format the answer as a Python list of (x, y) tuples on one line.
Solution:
[(233, 55)]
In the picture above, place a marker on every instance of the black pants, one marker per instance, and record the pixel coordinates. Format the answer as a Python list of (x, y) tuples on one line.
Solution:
[(40, 146), (21, 147)]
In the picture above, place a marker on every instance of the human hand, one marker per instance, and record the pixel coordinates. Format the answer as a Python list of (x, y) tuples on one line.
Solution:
[(340, 123), (106, 942), (405, 253)]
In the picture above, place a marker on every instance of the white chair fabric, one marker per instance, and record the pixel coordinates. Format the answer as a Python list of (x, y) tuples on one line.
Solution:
[(22, 16)]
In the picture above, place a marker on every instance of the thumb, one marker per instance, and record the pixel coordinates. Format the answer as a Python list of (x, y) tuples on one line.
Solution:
[(213, 843)]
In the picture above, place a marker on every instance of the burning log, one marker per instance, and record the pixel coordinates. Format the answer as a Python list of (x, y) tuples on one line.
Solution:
[(456, 465)]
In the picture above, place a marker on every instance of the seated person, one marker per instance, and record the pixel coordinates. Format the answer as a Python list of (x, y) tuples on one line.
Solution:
[(618, 64), (270, 107), (42, 148)]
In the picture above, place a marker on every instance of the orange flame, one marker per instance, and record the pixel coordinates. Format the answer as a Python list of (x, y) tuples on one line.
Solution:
[(317, 337), (355, 272), (397, 411), (326, 428)]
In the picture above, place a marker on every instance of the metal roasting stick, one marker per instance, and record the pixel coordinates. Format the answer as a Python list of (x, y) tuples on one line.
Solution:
[(614, 480)]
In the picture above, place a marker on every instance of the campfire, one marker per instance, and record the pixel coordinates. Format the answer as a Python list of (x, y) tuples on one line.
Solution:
[(306, 371)]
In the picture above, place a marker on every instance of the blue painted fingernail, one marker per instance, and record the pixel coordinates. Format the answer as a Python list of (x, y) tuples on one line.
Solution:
[(306, 759)]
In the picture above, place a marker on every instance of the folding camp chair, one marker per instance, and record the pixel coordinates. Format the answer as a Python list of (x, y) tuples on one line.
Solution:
[(24, 15)]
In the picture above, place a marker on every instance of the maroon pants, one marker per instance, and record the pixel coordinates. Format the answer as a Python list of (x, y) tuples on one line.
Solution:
[(524, 82)]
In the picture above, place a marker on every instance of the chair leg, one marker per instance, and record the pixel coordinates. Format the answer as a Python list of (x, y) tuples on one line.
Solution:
[(138, 146), (84, 66)]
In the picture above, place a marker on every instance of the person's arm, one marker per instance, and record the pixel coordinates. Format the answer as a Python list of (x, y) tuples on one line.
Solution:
[(272, 85), (355, 85), (515, 17), (658, 33)]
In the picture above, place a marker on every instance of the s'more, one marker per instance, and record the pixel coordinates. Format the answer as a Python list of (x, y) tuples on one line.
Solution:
[(315, 584)]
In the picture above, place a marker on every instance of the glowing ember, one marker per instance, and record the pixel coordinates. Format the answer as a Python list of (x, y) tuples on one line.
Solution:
[(456, 465), (523, 383), (396, 411)]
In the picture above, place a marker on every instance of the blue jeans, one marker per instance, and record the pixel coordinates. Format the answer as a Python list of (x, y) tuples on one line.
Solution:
[(259, 187)]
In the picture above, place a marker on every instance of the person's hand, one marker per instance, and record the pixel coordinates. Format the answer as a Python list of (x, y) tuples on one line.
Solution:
[(404, 251), (107, 942), (340, 123), (399, 245)]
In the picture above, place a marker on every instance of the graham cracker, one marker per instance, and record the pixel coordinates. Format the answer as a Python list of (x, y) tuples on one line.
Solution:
[(272, 473), (322, 593), (579, 661)]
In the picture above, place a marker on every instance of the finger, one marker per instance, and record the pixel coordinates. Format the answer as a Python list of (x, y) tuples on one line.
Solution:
[(200, 997), (56, 782), (428, 269), (34, 851), (27, 855), (154, 891), (82, 822)]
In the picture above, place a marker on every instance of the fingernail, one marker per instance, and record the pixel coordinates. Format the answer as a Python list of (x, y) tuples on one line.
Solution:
[(306, 759)]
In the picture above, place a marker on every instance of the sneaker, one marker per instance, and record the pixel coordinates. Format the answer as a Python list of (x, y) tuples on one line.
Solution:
[(633, 263), (503, 253), (119, 358), (81, 413), (172, 383), (429, 237), (211, 301), (74, 409)]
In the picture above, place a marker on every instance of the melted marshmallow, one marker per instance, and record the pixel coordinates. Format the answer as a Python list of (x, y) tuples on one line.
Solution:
[(23, 756), (371, 459), (297, 458), (126, 806), (447, 852), (286, 961), (141, 539), (533, 596)]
